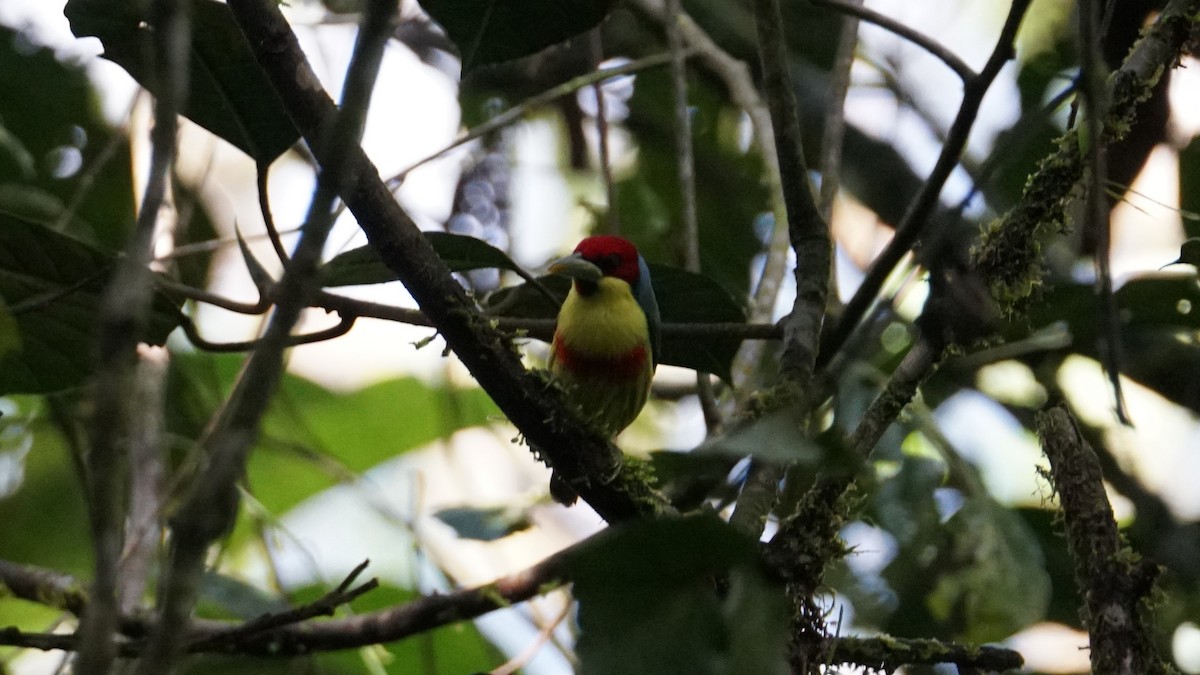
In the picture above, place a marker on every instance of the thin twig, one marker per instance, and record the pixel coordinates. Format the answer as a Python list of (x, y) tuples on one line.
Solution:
[(835, 118), (516, 112), (261, 171), (544, 635), (612, 216), (734, 74), (209, 245), (290, 639), (201, 295), (147, 478), (1115, 585), (1092, 75), (960, 68), (808, 232), (210, 508), (325, 605), (685, 164), (342, 327), (539, 412), (124, 311), (809, 236), (915, 219)]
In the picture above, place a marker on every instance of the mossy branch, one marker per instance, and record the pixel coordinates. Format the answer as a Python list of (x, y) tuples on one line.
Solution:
[(1008, 256), (1114, 582)]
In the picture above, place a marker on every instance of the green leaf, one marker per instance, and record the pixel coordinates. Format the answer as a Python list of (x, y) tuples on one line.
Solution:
[(489, 31), (226, 597), (77, 157), (648, 602), (312, 436), (227, 92), (461, 253), (683, 297), (44, 522), (53, 285), (687, 297), (686, 479), (485, 523), (775, 437), (1153, 300), (993, 578)]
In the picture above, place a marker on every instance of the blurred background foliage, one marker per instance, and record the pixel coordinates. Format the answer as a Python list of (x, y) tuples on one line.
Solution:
[(939, 550)]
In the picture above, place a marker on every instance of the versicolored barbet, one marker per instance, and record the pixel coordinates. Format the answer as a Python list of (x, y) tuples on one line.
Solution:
[(605, 346)]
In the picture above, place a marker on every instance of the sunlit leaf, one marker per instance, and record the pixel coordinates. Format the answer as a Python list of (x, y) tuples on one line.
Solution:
[(312, 437), (227, 93), (44, 522)]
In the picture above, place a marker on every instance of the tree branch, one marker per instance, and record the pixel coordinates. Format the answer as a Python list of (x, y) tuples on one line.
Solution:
[(538, 411), (124, 312), (267, 636), (1115, 584), (282, 635), (889, 653), (1008, 256), (960, 68), (912, 225), (209, 509), (809, 236), (807, 230)]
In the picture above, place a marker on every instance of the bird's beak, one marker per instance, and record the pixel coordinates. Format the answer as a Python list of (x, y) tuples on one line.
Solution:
[(575, 267)]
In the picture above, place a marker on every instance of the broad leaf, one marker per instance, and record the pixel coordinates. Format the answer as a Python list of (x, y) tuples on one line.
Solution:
[(461, 253), (683, 297), (489, 31), (53, 284), (648, 602), (992, 579), (227, 93), (226, 597), (775, 437), (313, 437), (485, 523), (59, 148), (44, 518)]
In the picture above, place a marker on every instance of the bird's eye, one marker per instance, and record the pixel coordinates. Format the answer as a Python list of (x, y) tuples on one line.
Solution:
[(610, 262)]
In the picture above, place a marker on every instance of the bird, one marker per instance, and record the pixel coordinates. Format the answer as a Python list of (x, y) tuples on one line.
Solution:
[(606, 339)]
